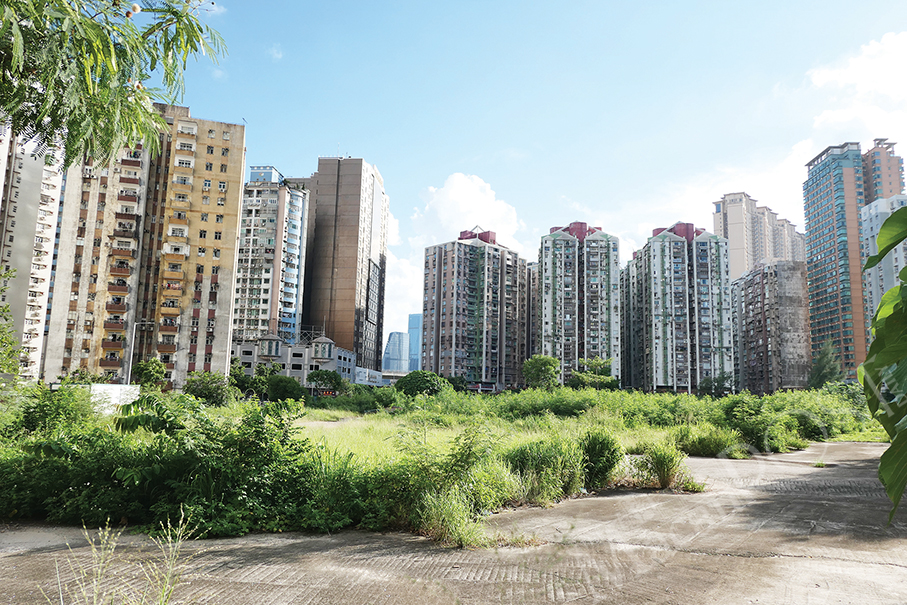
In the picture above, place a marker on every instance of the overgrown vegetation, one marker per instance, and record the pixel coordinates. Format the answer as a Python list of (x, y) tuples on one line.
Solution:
[(431, 464)]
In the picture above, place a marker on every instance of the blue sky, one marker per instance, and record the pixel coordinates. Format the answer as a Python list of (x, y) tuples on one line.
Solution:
[(520, 116)]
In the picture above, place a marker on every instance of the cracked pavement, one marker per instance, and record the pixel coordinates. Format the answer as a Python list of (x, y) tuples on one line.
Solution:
[(773, 529)]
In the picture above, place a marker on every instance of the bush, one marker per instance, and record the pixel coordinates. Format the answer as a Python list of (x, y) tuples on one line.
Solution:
[(550, 468), (446, 517), (707, 440), (662, 462), (211, 387), (45, 411), (601, 455), (421, 382), (284, 387)]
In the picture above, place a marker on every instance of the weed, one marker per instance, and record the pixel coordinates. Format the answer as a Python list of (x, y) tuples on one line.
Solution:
[(551, 468), (601, 455), (446, 517), (661, 463), (819, 464)]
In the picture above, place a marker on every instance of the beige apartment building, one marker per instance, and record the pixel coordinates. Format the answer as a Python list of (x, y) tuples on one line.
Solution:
[(755, 234), (150, 245), (32, 185)]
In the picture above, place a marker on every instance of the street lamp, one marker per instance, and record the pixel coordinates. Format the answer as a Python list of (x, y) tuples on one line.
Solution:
[(135, 325)]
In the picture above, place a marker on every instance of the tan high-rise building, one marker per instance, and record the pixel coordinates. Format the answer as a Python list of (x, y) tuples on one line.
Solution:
[(150, 242), (32, 185), (883, 171), (347, 256), (755, 234)]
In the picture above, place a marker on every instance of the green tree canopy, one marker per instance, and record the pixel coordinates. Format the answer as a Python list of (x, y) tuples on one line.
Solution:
[(326, 379), (540, 372), (597, 375), (75, 70), (149, 373), (211, 387), (281, 388), (421, 382), (826, 367)]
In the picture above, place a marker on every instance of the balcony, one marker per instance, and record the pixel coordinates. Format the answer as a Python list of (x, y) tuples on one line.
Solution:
[(164, 347), (173, 274), (114, 325), (112, 344), (130, 233), (170, 311), (129, 180), (168, 329), (120, 270), (174, 256), (123, 252), (111, 363), (174, 220), (127, 198), (116, 307), (117, 288), (126, 216), (189, 134), (131, 162)]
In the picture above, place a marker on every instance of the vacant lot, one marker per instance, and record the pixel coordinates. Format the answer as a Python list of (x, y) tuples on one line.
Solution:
[(772, 529)]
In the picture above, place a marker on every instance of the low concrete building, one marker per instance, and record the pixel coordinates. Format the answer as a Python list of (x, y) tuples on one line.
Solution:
[(297, 360)]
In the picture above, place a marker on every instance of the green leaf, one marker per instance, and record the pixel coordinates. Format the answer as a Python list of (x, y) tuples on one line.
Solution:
[(893, 471), (892, 233)]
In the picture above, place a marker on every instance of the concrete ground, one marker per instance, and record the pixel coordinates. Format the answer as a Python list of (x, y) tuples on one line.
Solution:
[(774, 529)]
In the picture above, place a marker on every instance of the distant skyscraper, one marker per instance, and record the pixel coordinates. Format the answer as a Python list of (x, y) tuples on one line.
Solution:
[(271, 258), (473, 318), (533, 312), (396, 354), (755, 234), (676, 311), (28, 214), (415, 342), (772, 328), (344, 290), (883, 276), (579, 299), (833, 195)]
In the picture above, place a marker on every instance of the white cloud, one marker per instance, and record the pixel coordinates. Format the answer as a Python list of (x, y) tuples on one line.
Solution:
[(275, 52), (402, 292), (463, 202)]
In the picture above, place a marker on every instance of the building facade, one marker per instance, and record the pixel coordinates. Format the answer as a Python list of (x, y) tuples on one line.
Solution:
[(29, 203), (415, 341), (474, 311), (834, 193), (270, 258), (771, 324), (149, 241), (579, 297), (296, 360), (755, 234), (344, 286), (883, 276), (676, 311), (396, 353)]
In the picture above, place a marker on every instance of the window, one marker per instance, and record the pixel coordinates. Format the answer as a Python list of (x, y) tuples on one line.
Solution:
[(221, 201), (222, 186), (217, 234), (226, 135), (202, 234), (206, 200), (216, 252), (202, 251), (211, 134), (207, 184), (219, 218), (184, 163), (225, 151), (215, 269), (223, 167), (211, 149), (204, 217), (209, 166), (200, 268)]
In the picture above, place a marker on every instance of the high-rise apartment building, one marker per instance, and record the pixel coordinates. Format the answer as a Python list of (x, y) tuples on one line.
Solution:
[(884, 276), (474, 311), (755, 234), (345, 276), (415, 341), (833, 195), (149, 241), (676, 311), (533, 311), (29, 203), (271, 258), (579, 296), (396, 353), (772, 328), (883, 171)]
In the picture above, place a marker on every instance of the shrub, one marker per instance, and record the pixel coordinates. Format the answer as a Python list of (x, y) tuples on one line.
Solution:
[(706, 439), (421, 382), (601, 455), (446, 517), (662, 462), (284, 387), (550, 468), (45, 411), (211, 387)]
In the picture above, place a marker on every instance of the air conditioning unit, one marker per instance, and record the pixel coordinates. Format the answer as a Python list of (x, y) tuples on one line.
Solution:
[(210, 329)]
